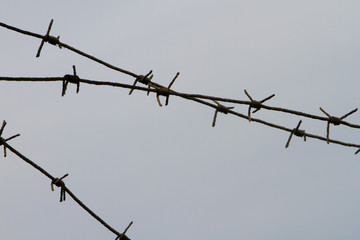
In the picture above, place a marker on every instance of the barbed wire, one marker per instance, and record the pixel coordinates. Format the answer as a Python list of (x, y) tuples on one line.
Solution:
[(166, 92), (217, 106), (146, 80), (59, 183), (214, 102)]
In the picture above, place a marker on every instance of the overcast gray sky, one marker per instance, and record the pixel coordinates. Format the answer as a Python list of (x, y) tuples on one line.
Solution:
[(166, 168)]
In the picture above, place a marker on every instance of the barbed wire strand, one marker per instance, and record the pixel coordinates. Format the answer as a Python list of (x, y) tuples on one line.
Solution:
[(160, 91), (56, 41), (183, 95), (64, 188)]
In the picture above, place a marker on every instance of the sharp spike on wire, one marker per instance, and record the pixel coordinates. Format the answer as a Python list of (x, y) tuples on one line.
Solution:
[(328, 132), (214, 119), (248, 95), (44, 38), (158, 99), (172, 82), (295, 130), (325, 112), (15, 136), (2, 127), (349, 113), (249, 113), (268, 98)]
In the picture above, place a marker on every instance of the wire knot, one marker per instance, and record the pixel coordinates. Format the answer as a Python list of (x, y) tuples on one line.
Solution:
[(220, 108), (163, 91), (68, 78), (297, 132), (300, 133), (59, 183), (255, 104), (143, 79), (50, 39), (334, 120)]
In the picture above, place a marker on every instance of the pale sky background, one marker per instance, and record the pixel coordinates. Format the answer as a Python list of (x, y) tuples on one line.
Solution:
[(166, 168)]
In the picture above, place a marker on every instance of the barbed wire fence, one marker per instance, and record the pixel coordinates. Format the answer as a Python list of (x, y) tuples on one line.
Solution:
[(151, 87)]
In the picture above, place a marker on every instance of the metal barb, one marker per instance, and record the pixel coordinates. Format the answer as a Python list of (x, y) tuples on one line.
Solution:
[(43, 40), (335, 121), (47, 38), (257, 105), (59, 183), (268, 98), (325, 112), (328, 133), (220, 108), (2, 127), (72, 79), (248, 95), (2, 140), (122, 236), (296, 132), (171, 83), (194, 97), (134, 84), (158, 99), (214, 119), (161, 91), (140, 78), (349, 113)]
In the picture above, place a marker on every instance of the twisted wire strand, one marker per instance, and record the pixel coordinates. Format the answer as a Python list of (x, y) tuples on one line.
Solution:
[(174, 93), (198, 96)]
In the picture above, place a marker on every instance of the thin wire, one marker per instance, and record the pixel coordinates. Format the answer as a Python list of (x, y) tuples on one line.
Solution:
[(71, 49), (299, 113), (182, 95), (67, 190)]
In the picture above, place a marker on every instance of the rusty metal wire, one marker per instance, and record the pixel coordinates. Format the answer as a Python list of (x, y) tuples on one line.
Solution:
[(217, 106), (159, 90), (257, 105), (146, 80), (60, 183)]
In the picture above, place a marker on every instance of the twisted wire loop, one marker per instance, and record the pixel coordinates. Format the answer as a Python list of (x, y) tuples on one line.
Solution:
[(2, 140), (59, 183), (257, 105), (70, 79), (220, 108), (50, 39), (297, 132), (335, 121)]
